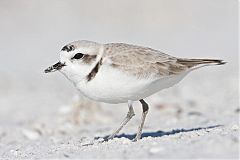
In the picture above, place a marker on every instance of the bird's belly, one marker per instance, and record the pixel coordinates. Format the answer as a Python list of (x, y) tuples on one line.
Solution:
[(114, 86)]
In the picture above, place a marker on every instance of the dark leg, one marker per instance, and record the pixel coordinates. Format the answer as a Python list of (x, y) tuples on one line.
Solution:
[(145, 111), (130, 114)]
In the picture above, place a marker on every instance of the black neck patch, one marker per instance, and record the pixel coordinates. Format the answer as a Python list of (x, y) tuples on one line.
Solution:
[(94, 71)]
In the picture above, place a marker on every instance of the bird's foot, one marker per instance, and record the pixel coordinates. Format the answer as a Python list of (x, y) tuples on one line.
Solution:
[(138, 137)]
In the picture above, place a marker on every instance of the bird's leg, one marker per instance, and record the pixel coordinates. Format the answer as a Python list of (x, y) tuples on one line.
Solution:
[(144, 113), (130, 114)]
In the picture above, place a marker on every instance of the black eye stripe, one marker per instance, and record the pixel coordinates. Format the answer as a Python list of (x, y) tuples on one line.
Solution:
[(78, 56)]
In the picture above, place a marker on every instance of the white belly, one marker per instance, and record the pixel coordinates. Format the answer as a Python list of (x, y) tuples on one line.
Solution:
[(113, 86)]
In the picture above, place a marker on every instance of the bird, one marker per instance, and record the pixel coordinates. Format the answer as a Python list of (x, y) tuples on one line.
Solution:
[(123, 73)]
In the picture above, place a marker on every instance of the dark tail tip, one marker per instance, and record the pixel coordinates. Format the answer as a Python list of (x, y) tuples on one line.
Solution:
[(221, 62)]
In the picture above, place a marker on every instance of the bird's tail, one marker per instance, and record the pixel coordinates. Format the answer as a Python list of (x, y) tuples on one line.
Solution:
[(196, 62)]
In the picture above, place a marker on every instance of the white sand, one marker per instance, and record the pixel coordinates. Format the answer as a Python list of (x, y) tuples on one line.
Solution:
[(41, 118)]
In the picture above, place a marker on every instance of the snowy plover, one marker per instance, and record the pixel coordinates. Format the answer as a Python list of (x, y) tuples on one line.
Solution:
[(120, 73)]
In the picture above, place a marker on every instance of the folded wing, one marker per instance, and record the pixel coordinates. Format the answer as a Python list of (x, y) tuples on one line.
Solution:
[(146, 62)]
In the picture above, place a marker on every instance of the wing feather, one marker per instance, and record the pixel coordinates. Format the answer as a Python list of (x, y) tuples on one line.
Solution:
[(142, 61)]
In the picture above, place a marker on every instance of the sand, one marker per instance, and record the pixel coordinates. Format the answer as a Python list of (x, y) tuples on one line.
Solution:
[(43, 116)]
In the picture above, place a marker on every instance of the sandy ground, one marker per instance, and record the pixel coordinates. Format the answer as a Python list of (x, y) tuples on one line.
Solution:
[(42, 116), (198, 118)]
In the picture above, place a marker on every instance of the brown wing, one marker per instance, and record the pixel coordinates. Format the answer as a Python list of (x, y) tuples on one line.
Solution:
[(195, 62), (142, 61)]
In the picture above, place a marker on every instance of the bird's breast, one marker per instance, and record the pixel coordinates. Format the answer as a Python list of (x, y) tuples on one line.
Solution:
[(114, 86)]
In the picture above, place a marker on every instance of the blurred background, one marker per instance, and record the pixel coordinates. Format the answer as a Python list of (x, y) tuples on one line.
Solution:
[(32, 32)]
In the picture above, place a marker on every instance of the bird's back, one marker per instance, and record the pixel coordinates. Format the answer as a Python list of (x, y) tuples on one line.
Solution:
[(146, 62)]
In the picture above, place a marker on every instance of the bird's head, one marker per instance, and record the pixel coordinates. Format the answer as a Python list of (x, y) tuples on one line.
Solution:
[(77, 59)]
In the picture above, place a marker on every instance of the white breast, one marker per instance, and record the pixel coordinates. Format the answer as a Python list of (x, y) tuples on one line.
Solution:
[(114, 86)]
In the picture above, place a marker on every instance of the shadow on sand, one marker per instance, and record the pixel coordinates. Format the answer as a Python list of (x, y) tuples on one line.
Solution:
[(161, 133)]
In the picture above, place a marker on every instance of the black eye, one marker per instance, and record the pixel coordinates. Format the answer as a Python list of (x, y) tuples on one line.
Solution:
[(78, 56)]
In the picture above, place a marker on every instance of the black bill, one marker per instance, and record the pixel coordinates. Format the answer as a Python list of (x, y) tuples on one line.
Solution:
[(54, 67)]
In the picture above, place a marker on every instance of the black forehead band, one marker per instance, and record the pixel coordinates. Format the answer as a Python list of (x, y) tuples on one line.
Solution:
[(68, 48)]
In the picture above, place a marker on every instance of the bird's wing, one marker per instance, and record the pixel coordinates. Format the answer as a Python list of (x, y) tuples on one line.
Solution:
[(142, 61)]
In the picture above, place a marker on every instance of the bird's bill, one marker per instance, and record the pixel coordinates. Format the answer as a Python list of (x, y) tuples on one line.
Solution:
[(54, 67)]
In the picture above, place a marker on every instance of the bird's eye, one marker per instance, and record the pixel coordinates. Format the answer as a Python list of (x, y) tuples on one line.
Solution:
[(78, 56)]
